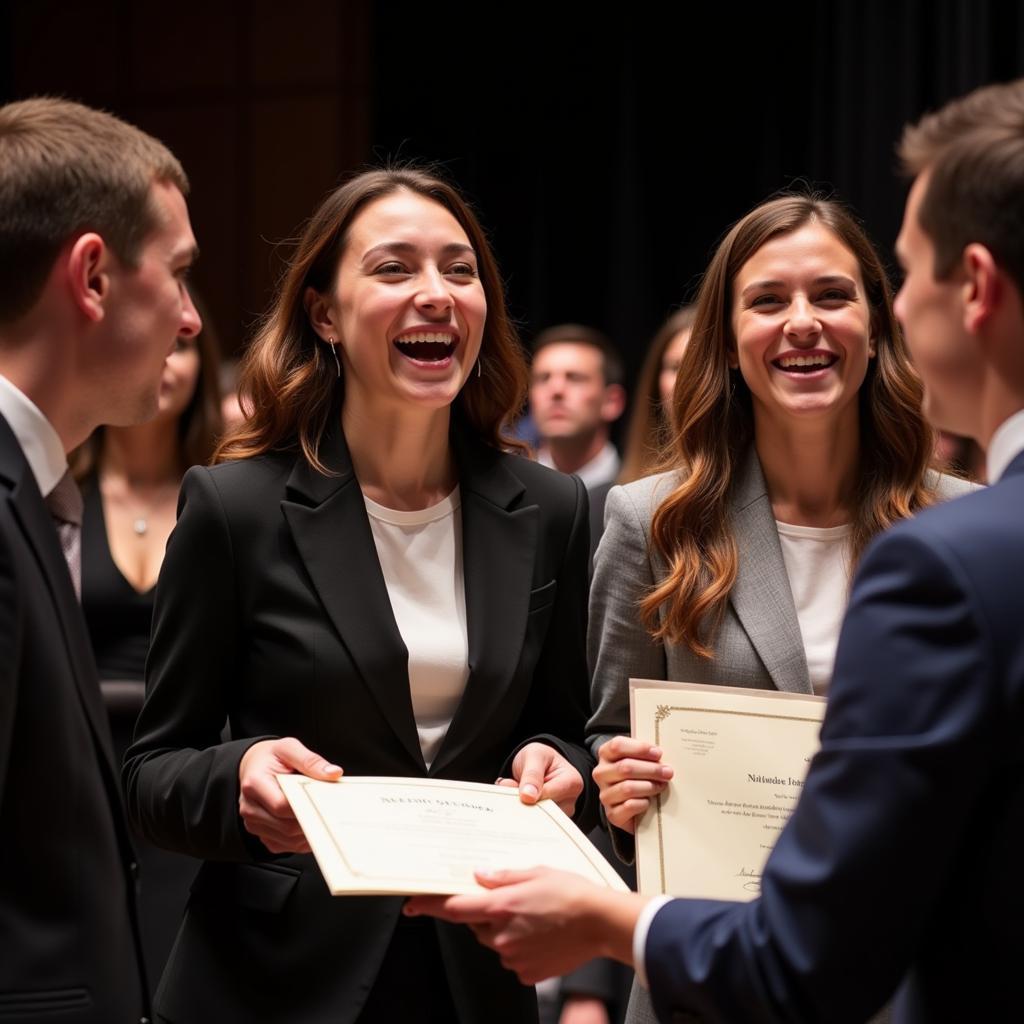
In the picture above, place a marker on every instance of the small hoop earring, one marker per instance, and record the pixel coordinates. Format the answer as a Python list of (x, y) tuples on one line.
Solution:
[(479, 367), (334, 352)]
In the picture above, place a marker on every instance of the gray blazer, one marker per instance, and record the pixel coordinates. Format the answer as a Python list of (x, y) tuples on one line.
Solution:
[(759, 644)]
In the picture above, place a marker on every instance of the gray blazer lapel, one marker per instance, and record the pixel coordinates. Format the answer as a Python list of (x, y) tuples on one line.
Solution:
[(761, 597), (332, 533)]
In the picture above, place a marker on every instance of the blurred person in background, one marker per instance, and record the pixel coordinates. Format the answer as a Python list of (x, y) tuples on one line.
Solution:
[(650, 421), (576, 394)]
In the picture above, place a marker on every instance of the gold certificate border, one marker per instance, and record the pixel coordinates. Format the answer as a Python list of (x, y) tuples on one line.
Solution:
[(562, 822), (662, 712)]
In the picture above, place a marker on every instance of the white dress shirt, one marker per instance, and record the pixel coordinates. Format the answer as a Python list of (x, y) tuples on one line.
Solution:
[(39, 441), (1006, 444), (603, 468)]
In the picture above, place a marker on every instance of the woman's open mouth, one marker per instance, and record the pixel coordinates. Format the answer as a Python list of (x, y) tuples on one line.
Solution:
[(427, 346), (805, 363)]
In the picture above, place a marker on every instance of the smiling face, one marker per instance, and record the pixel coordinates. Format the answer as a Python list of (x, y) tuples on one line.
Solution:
[(802, 327), (407, 306)]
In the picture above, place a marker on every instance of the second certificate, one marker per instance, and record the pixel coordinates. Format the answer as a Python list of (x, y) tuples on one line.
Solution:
[(739, 757)]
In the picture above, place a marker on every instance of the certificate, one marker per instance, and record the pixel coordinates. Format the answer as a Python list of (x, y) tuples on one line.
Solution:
[(740, 757), (394, 836)]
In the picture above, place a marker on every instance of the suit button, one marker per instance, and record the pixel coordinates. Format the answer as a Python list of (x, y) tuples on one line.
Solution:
[(133, 869)]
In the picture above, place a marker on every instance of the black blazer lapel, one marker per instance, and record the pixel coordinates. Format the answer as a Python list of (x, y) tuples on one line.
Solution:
[(498, 553), (41, 534), (332, 533)]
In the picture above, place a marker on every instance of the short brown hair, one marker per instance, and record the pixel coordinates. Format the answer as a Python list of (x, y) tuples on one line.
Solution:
[(288, 386), (973, 149), (580, 334), (64, 169)]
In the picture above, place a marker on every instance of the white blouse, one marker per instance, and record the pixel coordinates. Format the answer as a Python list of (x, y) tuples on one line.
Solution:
[(420, 554), (818, 565)]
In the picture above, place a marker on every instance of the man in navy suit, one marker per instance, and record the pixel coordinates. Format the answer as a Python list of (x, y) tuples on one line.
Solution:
[(899, 869), (95, 242)]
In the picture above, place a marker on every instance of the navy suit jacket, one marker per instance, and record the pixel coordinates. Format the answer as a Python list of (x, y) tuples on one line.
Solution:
[(901, 861)]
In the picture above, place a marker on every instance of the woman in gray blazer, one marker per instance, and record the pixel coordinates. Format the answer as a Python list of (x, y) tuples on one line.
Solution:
[(800, 436)]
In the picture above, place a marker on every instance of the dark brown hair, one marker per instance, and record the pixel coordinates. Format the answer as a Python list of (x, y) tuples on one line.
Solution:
[(579, 334), (650, 427), (288, 384), (715, 429), (973, 149), (67, 169)]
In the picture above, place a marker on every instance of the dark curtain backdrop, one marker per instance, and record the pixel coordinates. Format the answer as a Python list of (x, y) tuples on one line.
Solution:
[(606, 152), (609, 154)]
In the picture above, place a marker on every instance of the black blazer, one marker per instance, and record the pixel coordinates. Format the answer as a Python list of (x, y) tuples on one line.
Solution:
[(68, 938), (272, 613), (902, 859)]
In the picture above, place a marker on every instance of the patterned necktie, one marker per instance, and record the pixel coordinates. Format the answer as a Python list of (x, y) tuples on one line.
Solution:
[(65, 505)]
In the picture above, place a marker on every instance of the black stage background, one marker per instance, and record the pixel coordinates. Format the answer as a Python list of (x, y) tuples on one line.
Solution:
[(606, 152)]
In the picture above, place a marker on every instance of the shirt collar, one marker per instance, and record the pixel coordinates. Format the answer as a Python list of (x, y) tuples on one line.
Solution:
[(603, 468), (1006, 444), (39, 441)]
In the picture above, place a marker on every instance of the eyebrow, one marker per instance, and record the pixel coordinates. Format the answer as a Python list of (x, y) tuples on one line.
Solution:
[(451, 249), (190, 255), (824, 279)]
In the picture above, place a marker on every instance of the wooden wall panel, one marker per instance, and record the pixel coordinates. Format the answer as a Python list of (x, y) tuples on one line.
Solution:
[(265, 103)]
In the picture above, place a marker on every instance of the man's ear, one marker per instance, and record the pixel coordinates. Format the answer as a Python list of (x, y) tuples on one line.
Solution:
[(981, 288), (88, 264), (320, 315), (613, 404)]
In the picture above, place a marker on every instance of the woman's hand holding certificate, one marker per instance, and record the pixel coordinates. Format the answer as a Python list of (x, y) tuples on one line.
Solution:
[(264, 809), (630, 774)]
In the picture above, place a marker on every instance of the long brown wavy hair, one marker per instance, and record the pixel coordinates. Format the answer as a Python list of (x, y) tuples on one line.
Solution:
[(288, 386), (714, 420)]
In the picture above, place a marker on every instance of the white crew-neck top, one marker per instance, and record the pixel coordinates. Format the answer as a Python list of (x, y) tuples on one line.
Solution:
[(818, 565), (420, 554)]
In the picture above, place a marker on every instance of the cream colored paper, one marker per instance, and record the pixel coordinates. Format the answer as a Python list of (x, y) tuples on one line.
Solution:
[(399, 836), (740, 757)]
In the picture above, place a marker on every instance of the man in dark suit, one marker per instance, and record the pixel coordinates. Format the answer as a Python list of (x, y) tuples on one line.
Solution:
[(576, 394), (95, 242), (898, 868)]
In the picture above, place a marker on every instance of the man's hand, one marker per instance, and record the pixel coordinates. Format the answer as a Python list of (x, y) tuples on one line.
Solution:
[(542, 773), (541, 922), (629, 773), (264, 808)]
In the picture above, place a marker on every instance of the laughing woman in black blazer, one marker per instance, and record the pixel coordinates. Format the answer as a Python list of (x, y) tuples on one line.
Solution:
[(367, 580)]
